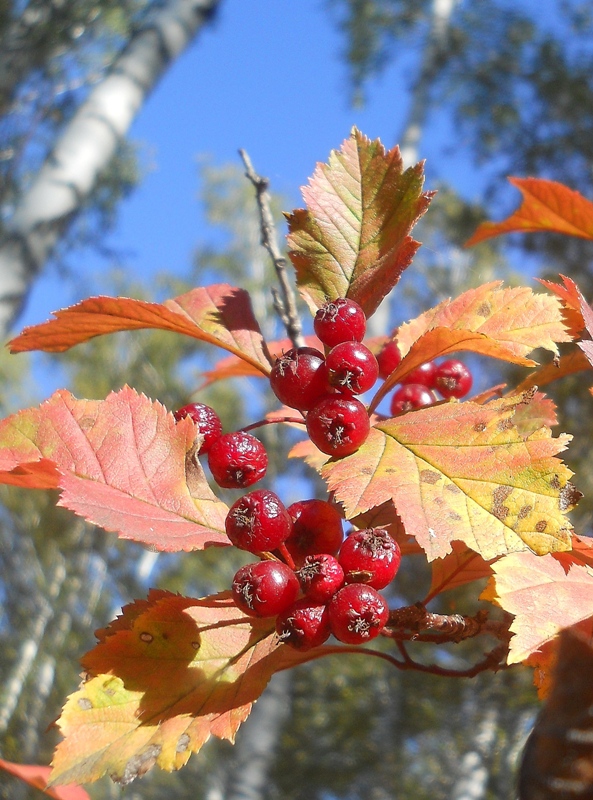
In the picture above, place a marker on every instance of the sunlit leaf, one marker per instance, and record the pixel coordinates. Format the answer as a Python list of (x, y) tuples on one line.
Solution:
[(462, 471), (569, 364), (353, 238), (121, 463), (459, 567), (547, 206), (573, 301)]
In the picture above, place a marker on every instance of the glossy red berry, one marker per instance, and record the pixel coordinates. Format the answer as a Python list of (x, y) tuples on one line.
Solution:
[(316, 528), (357, 613), (351, 368), (424, 375), (258, 522), (265, 588), (320, 577), (411, 396), (370, 556), (452, 379), (207, 420), (388, 359), (237, 460), (340, 320), (299, 378), (338, 425), (304, 625)]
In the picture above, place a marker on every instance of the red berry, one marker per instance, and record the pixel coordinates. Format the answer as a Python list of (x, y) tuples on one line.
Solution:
[(388, 359), (424, 375), (237, 460), (338, 425), (453, 379), (265, 588), (303, 625), (207, 420), (340, 320), (370, 556), (258, 522), (320, 577), (351, 368), (411, 396), (357, 613), (316, 528), (299, 378)]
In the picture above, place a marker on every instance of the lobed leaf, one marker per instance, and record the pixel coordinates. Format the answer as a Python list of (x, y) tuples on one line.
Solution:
[(573, 301), (165, 676), (462, 471), (122, 463), (353, 239), (219, 314), (546, 206)]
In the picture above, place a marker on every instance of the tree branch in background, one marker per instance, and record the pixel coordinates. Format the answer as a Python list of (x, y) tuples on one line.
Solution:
[(284, 301)]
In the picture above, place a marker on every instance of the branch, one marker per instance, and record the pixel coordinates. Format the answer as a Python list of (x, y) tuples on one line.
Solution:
[(284, 301), (415, 623)]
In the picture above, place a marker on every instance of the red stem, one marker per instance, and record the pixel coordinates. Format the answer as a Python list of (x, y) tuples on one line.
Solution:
[(262, 422)]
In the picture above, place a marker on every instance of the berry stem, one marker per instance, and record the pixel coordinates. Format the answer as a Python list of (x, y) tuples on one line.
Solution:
[(261, 422), (282, 549)]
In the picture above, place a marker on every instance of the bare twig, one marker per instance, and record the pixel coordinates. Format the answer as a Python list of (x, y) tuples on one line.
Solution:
[(284, 300), (415, 623)]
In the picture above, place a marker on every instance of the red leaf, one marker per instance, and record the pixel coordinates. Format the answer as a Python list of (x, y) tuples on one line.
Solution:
[(547, 206), (573, 302), (219, 314), (122, 463), (37, 777), (459, 567)]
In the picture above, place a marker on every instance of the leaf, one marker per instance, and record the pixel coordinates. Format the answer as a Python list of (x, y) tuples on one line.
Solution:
[(573, 362), (121, 463), (545, 594), (459, 567), (37, 776), (540, 412), (169, 673), (219, 314), (353, 238), (462, 471), (385, 516), (573, 302), (546, 206)]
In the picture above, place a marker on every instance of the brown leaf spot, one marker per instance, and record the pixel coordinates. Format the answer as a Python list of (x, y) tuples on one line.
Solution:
[(139, 764), (86, 423), (183, 743), (146, 637), (196, 644), (569, 497), (454, 516), (484, 309), (555, 482), (480, 427), (85, 704), (541, 526), (498, 497), (366, 471), (504, 424), (438, 501), (453, 488), (524, 511), (429, 476)]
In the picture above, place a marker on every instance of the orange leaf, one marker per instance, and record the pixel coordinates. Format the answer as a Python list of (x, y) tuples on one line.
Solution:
[(459, 567), (573, 302), (37, 776), (219, 314), (547, 206), (462, 471), (169, 673), (385, 516), (353, 238), (544, 593), (121, 463), (573, 362)]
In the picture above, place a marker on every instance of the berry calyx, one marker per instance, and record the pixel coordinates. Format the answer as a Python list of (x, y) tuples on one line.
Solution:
[(316, 528), (207, 420), (411, 396), (304, 625), (237, 460), (424, 375), (452, 379), (338, 425), (258, 522), (370, 556), (357, 614), (351, 368), (320, 577), (299, 378), (388, 359), (340, 320), (264, 588)]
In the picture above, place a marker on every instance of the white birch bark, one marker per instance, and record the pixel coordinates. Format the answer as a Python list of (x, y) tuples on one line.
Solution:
[(87, 145)]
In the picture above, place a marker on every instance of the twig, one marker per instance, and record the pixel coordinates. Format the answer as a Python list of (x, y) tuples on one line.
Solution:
[(415, 623), (284, 301)]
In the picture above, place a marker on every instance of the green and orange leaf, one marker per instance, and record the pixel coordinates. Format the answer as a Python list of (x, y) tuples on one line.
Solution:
[(167, 675), (219, 314), (122, 463), (546, 206), (462, 471), (353, 238)]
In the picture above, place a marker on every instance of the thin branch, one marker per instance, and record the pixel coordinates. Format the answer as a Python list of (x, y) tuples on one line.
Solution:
[(415, 623), (284, 300)]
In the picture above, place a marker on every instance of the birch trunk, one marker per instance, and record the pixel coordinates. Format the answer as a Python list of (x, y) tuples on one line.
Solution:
[(87, 145)]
